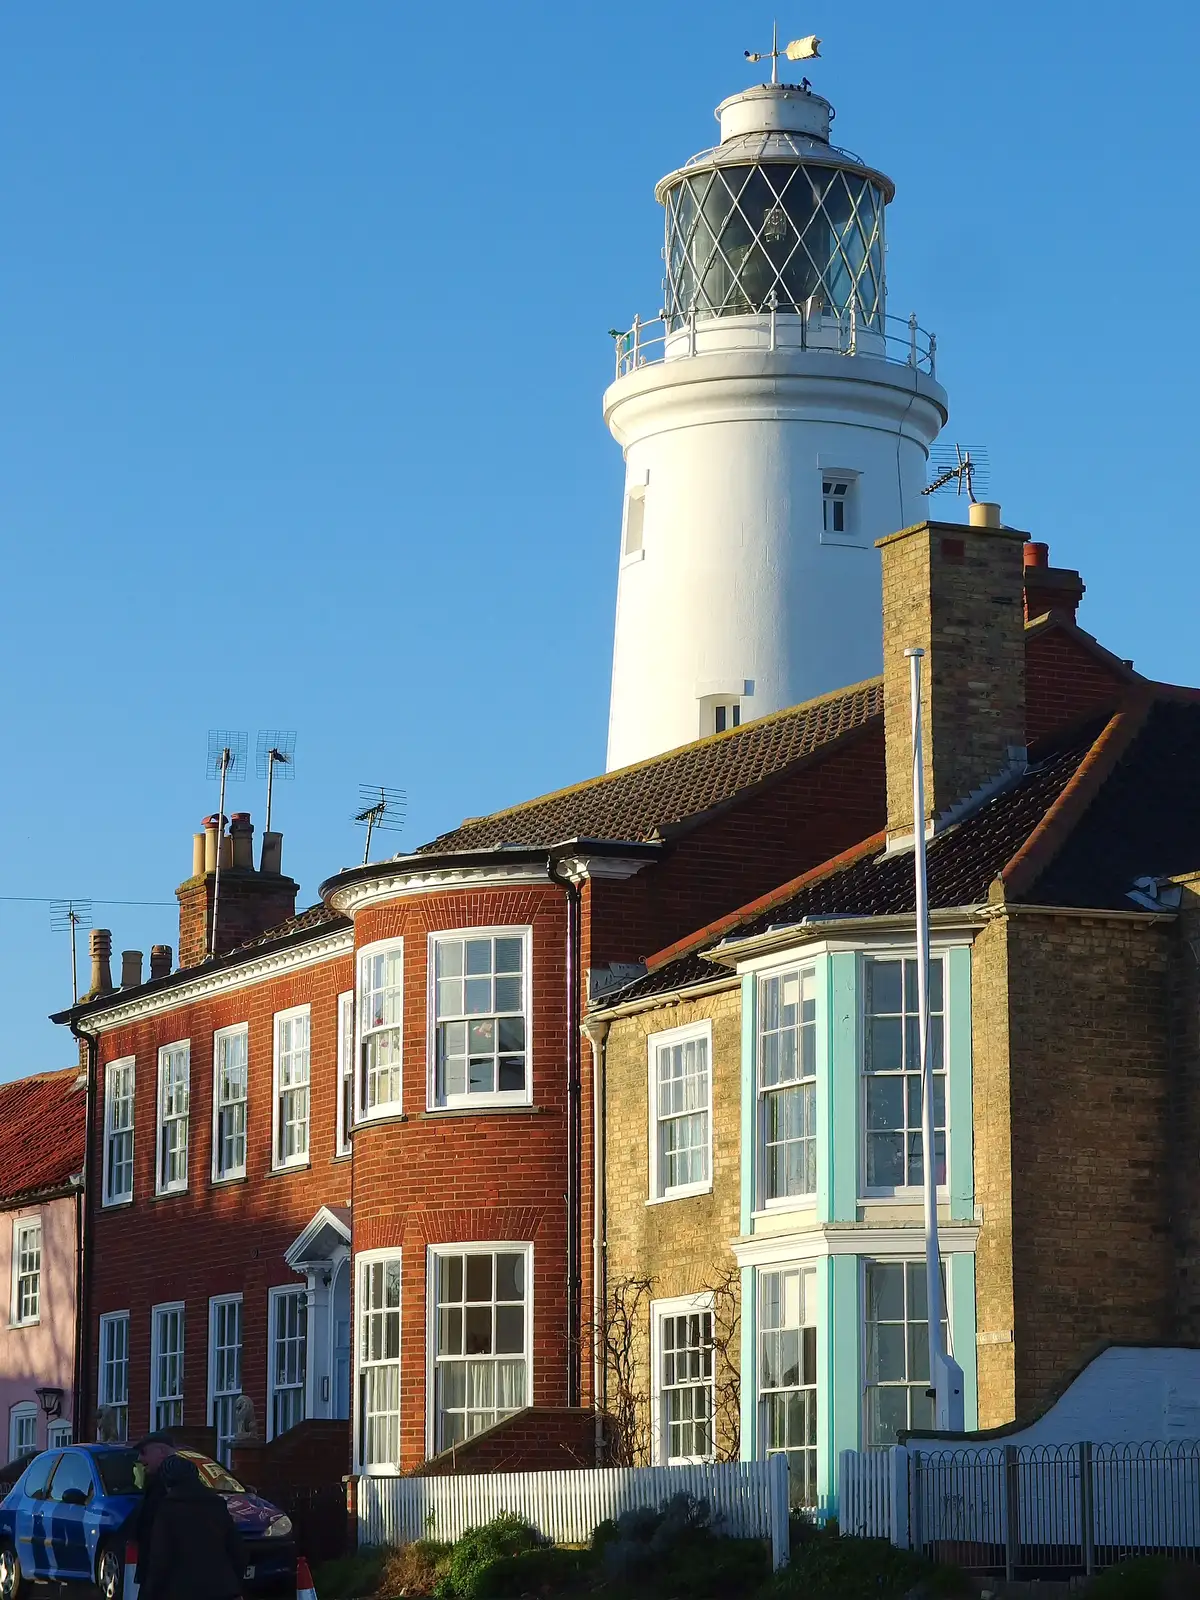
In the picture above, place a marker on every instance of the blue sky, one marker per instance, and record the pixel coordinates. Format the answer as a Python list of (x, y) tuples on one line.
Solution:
[(303, 334)]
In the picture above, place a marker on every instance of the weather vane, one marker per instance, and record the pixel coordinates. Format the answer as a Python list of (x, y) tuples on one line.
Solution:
[(798, 50)]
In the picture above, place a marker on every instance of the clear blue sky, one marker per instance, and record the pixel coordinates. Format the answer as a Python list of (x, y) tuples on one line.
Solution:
[(303, 333)]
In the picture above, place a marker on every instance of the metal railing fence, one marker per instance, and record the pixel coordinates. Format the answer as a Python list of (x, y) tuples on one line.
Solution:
[(747, 1499)]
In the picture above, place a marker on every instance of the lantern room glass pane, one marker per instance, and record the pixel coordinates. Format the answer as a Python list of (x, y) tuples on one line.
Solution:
[(809, 236)]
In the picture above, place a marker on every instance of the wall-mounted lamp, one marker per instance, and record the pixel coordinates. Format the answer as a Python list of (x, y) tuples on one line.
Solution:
[(50, 1400)]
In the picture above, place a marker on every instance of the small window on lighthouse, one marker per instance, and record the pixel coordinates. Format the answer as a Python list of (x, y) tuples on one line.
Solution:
[(635, 517), (728, 715), (836, 505)]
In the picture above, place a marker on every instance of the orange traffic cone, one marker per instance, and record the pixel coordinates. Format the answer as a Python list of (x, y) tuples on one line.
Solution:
[(304, 1583), (130, 1586)]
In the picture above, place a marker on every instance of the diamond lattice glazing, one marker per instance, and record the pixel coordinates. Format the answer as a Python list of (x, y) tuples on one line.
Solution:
[(809, 236)]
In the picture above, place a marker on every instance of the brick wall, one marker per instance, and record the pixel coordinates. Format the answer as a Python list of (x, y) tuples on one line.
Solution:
[(251, 902), (215, 1238), (537, 1439), (1184, 1115), (681, 1245), (1089, 1107), (1065, 681)]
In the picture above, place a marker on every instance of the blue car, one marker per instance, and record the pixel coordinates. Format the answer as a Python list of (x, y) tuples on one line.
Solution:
[(69, 1515)]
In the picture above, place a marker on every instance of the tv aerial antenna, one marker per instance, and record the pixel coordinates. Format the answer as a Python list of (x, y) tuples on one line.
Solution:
[(806, 49), (227, 763), (966, 466), (380, 810), (276, 749), (72, 915)]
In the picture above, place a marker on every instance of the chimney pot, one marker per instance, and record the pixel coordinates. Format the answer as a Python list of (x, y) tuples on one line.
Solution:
[(241, 831), (131, 969), (198, 855), (160, 960), (212, 833), (100, 946), (272, 853), (1037, 554), (984, 514)]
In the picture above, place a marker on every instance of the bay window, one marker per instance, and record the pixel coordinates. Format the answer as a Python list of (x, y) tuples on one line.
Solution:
[(482, 1299), (892, 1074), (480, 1016), (787, 1083), (378, 1311), (380, 1027), (897, 1349), (787, 1374)]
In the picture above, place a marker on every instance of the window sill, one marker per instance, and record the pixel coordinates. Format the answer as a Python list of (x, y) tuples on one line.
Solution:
[(231, 1178), (374, 1118), (910, 1194), (168, 1194), (775, 1208), (435, 1113), (680, 1194), (292, 1166), (30, 1322), (343, 1155), (116, 1205)]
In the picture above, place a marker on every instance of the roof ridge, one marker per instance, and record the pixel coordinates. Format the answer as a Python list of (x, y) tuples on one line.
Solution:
[(668, 755), (1054, 618), (1051, 833), (765, 902)]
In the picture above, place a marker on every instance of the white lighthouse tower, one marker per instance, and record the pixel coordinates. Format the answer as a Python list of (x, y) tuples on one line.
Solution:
[(775, 420)]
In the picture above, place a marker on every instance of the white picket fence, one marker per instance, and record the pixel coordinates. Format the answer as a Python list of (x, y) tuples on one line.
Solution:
[(748, 1500)]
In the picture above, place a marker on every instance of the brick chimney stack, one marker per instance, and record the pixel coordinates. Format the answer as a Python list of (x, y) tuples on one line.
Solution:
[(251, 901), (1047, 588), (955, 591)]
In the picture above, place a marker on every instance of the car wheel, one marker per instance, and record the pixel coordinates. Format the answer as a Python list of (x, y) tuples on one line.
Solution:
[(110, 1574), (10, 1573)]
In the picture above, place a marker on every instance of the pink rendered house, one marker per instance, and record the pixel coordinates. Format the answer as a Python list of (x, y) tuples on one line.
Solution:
[(41, 1163)]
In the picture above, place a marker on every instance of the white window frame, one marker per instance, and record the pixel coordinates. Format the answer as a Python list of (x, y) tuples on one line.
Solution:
[(633, 525), (763, 1092), (908, 1384), (281, 1163), (669, 1039), (109, 1321), (158, 1315), (496, 1097), (434, 1253), (217, 1304), (23, 1411), (902, 1191), (58, 1435), (807, 1272), (363, 1262), (126, 1064), (364, 1034), (25, 1228), (177, 1185), (661, 1311), (850, 533), (346, 1055), (275, 1297), (221, 1039)]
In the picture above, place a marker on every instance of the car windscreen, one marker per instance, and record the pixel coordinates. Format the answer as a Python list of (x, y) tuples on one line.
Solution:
[(213, 1474), (116, 1471)]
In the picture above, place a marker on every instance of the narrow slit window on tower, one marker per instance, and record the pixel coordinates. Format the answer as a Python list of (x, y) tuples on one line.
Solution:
[(635, 520), (835, 505), (727, 715)]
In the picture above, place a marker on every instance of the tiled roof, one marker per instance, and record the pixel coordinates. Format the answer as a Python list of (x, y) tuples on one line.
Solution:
[(1144, 821), (641, 801), (318, 916), (42, 1144), (961, 863)]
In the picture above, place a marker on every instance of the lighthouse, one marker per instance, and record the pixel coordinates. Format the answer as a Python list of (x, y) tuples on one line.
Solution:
[(775, 419)]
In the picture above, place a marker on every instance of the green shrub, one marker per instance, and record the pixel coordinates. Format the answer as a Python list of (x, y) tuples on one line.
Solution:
[(826, 1567), (352, 1576), (474, 1558), (1147, 1578), (548, 1571)]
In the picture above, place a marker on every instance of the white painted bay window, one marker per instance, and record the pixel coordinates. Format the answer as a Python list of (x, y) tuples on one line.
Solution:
[(787, 1083), (787, 1374), (26, 1271), (224, 1369), (174, 1100), (291, 1083), (381, 1028), (897, 1349), (480, 1016), (892, 1074), (231, 1066), (113, 1387), (118, 1132), (166, 1365), (378, 1307), (481, 1337), (345, 1105), (288, 1337), (683, 1380), (681, 1111)]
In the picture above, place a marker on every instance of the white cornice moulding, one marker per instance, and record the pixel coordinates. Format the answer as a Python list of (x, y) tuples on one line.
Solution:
[(852, 1239), (580, 868), (398, 883), (204, 985)]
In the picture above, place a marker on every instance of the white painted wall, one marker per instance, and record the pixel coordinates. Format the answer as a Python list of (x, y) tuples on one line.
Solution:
[(735, 590), (1124, 1396)]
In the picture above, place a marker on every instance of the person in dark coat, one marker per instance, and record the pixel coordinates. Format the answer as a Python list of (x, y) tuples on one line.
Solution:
[(195, 1550), (153, 1450)]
